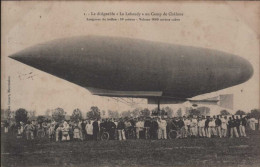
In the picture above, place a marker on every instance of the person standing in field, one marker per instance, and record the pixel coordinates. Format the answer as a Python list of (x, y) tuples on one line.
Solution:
[(252, 122), (154, 129), (121, 129), (89, 130), (83, 129), (147, 126), (76, 132), (162, 129), (186, 126), (181, 125), (218, 126), (233, 129), (212, 126), (95, 129), (242, 126), (139, 127), (201, 127), (194, 126), (224, 123)]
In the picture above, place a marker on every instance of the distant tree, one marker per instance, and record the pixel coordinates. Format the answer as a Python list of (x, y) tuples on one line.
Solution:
[(240, 112), (255, 113), (32, 114), (113, 114), (155, 112), (58, 114), (224, 112), (204, 110), (41, 119), (179, 113), (48, 112), (161, 112), (21, 115), (6, 114), (145, 112), (76, 115), (103, 113), (136, 112), (94, 113), (195, 112), (125, 114), (169, 111)]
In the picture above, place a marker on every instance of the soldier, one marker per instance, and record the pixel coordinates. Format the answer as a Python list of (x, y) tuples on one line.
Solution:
[(65, 132), (111, 127), (201, 127), (76, 133), (237, 123), (89, 130), (139, 127), (186, 126), (29, 131), (121, 129), (147, 126), (211, 129), (224, 123), (243, 121), (154, 129), (83, 129), (162, 126), (194, 126), (218, 126), (95, 129), (233, 129), (181, 125)]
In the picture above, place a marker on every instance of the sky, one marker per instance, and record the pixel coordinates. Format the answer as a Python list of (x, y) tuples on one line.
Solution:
[(204, 24)]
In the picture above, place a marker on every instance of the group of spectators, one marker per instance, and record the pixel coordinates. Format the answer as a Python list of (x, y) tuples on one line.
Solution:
[(135, 128)]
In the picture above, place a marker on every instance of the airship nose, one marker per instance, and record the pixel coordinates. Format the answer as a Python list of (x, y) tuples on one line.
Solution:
[(244, 71)]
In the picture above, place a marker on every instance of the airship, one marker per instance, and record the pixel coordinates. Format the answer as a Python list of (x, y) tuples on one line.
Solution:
[(163, 73)]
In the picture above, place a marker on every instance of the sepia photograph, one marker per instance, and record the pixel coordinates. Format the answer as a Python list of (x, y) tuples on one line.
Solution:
[(130, 83)]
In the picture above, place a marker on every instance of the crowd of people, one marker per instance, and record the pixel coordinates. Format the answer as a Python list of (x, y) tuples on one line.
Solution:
[(134, 128)]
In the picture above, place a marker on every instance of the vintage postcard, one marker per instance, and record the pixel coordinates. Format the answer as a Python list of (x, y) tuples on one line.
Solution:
[(130, 83)]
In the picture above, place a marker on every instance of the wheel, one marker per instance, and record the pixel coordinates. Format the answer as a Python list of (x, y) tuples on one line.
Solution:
[(105, 136), (172, 134)]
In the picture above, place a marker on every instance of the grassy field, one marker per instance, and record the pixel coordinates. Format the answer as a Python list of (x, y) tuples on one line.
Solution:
[(181, 152)]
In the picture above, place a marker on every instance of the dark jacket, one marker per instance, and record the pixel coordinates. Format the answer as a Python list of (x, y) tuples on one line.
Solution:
[(218, 122), (121, 125)]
